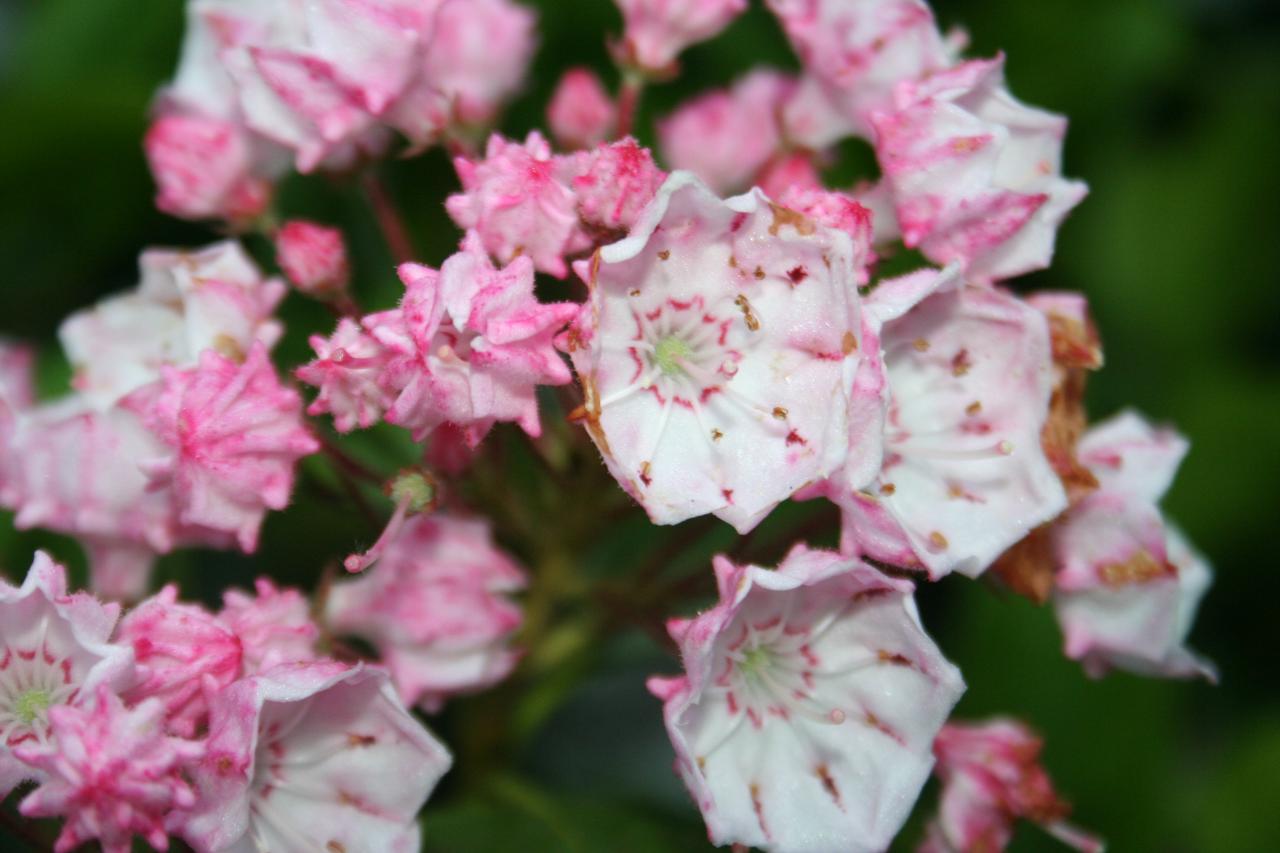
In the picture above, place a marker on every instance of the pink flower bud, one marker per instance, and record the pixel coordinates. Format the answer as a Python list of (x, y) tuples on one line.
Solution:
[(182, 652), (581, 113), (202, 169), (313, 257), (656, 31), (113, 773)]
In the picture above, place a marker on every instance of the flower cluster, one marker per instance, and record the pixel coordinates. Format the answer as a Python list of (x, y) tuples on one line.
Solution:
[(737, 344), (178, 430), (220, 728)]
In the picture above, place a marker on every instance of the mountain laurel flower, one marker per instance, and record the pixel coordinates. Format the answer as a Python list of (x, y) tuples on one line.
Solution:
[(313, 257), (54, 652), (991, 776), (187, 302), (203, 169), (716, 354), (182, 653), (478, 55), (613, 183), (313, 756), (316, 81), (1128, 583), (975, 174), (273, 625), (469, 345), (727, 136), (859, 50), (232, 436), (581, 114), (436, 608), (112, 773), (518, 203), (655, 32), (810, 703), (67, 467), (348, 371), (969, 374)]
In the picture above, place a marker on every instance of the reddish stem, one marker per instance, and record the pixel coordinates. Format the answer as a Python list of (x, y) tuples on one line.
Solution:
[(389, 218), (628, 102)]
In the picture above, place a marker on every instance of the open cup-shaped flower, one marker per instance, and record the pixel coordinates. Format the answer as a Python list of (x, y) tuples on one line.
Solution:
[(809, 706)]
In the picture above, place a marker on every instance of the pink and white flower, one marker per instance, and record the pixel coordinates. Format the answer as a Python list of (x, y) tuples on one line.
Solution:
[(477, 56), (348, 371), (313, 257), (517, 202), (232, 435), (17, 366), (315, 80), (70, 468), (991, 776), (183, 652), (187, 302), (1128, 582), (112, 773), (811, 700), (727, 136), (54, 652), (581, 114), (613, 184), (860, 50), (273, 625), (717, 352), (204, 168), (313, 756), (469, 345), (655, 32), (969, 373), (976, 175), (436, 608)]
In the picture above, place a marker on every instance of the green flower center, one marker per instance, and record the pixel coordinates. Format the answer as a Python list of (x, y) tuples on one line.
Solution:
[(669, 353), (754, 660), (31, 705)]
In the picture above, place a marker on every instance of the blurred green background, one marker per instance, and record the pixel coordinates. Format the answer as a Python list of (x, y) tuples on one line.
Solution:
[(1175, 109)]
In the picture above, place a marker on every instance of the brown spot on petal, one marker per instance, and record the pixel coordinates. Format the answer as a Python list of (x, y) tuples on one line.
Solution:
[(894, 658), (973, 409), (635, 292), (664, 254), (229, 347), (786, 216), (920, 344), (758, 273), (335, 846), (745, 306), (888, 489), (961, 363), (849, 343), (356, 741), (938, 542), (1140, 568), (780, 413), (716, 435), (644, 474), (758, 808), (828, 783)]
